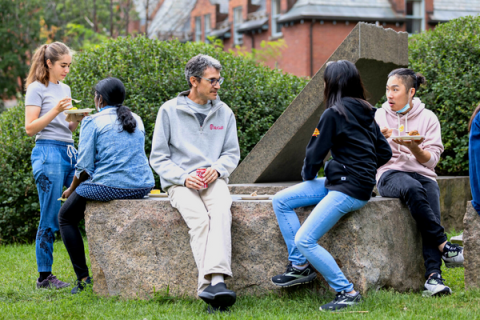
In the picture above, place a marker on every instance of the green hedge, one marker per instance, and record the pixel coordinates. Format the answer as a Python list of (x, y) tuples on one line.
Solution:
[(153, 72), (19, 206), (449, 57)]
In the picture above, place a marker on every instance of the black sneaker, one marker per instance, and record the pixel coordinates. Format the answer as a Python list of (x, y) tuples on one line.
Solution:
[(452, 255), (51, 282), (81, 285), (342, 300), (218, 296), (293, 276), (435, 287)]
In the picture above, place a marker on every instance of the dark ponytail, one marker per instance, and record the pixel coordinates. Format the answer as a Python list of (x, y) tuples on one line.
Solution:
[(409, 78), (112, 92), (126, 119)]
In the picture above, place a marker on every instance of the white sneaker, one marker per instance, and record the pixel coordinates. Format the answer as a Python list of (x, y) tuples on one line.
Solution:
[(452, 255), (434, 287), (457, 240)]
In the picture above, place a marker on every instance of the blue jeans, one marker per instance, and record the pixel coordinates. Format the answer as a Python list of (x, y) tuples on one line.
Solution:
[(301, 242), (53, 169)]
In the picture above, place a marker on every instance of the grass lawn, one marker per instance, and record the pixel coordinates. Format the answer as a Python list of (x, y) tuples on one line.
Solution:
[(19, 299)]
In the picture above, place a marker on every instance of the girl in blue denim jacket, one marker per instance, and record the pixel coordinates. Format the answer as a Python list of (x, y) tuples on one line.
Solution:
[(111, 164)]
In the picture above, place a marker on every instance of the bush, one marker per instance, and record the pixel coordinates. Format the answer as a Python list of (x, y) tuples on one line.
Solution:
[(19, 205), (449, 58), (153, 72)]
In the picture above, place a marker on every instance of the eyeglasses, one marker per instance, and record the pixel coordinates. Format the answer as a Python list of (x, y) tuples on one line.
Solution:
[(214, 81)]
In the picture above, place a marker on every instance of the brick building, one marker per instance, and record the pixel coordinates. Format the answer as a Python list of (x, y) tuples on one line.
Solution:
[(312, 29)]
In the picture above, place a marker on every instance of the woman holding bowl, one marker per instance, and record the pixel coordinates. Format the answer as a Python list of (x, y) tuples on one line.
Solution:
[(53, 157), (111, 165)]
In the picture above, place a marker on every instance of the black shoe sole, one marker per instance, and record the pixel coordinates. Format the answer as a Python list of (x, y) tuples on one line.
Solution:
[(219, 300), (298, 281), (444, 292)]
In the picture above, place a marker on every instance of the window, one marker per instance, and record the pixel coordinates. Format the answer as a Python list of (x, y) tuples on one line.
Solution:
[(198, 28), (237, 21), (207, 23), (415, 16), (276, 28)]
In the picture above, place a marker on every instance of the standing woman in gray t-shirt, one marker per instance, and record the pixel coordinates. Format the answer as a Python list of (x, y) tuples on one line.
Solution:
[(53, 157)]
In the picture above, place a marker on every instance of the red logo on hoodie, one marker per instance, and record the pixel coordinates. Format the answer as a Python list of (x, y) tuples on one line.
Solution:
[(212, 127)]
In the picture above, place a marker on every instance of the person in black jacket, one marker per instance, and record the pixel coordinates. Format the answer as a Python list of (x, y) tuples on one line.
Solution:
[(348, 130)]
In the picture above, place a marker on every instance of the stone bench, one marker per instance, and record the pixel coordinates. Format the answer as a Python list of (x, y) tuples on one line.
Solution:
[(471, 241), (454, 194), (141, 246)]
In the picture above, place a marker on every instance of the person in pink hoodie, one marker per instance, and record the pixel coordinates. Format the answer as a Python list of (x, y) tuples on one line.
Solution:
[(410, 173)]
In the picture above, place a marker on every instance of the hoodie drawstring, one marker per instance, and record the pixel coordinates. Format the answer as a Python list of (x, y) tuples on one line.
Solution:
[(71, 152), (405, 129)]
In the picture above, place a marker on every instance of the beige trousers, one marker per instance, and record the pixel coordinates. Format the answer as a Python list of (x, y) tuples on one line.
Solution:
[(209, 219)]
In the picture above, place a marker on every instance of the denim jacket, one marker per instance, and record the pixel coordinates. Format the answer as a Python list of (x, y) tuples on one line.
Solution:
[(112, 156)]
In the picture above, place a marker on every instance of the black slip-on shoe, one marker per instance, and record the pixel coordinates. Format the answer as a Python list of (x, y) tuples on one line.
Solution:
[(213, 310), (218, 296)]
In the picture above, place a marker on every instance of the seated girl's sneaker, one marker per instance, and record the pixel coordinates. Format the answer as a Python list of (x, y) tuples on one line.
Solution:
[(435, 286), (294, 276), (342, 300), (452, 255)]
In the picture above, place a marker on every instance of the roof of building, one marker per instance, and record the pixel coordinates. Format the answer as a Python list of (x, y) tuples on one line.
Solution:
[(258, 24), (366, 10), (221, 33), (446, 10), (173, 17)]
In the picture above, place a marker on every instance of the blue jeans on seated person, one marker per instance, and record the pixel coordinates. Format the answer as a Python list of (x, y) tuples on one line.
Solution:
[(53, 167), (301, 241)]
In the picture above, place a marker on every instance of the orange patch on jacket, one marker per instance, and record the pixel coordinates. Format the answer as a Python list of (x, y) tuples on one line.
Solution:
[(315, 133)]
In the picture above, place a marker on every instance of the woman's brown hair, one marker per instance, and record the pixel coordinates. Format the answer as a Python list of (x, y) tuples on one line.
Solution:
[(477, 109), (39, 69)]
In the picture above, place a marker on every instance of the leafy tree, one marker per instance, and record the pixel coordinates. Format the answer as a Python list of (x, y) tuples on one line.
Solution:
[(449, 58), (19, 36)]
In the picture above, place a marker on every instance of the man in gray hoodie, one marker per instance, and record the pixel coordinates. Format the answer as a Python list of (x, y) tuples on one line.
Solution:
[(197, 130)]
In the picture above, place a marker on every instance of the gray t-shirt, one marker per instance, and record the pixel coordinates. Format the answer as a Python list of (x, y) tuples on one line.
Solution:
[(47, 98), (200, 110)]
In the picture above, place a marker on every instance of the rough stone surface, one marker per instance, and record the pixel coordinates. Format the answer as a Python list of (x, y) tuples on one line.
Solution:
[(138, 246), (454, 194), (278, 156), (471, 242)]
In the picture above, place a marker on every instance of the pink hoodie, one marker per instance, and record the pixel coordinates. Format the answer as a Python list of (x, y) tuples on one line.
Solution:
[(426, 123)]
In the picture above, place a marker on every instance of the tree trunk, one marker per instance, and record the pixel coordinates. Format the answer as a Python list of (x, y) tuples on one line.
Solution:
[(95, 27), (127, 17), (146, 18), (111, 18)]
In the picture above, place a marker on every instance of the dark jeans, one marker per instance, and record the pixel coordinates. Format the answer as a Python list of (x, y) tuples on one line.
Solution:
[(422, 196), (70, 215)]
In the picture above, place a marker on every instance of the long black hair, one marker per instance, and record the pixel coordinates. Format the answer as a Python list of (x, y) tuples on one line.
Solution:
[(342, 80), (409, 78), (112, 92)]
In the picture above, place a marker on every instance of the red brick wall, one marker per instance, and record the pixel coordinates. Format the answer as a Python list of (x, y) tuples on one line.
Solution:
[(326, 39), (202, 8), (398, 6)]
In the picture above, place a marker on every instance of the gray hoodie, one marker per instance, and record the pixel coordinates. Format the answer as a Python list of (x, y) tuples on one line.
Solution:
[(180, 145)]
